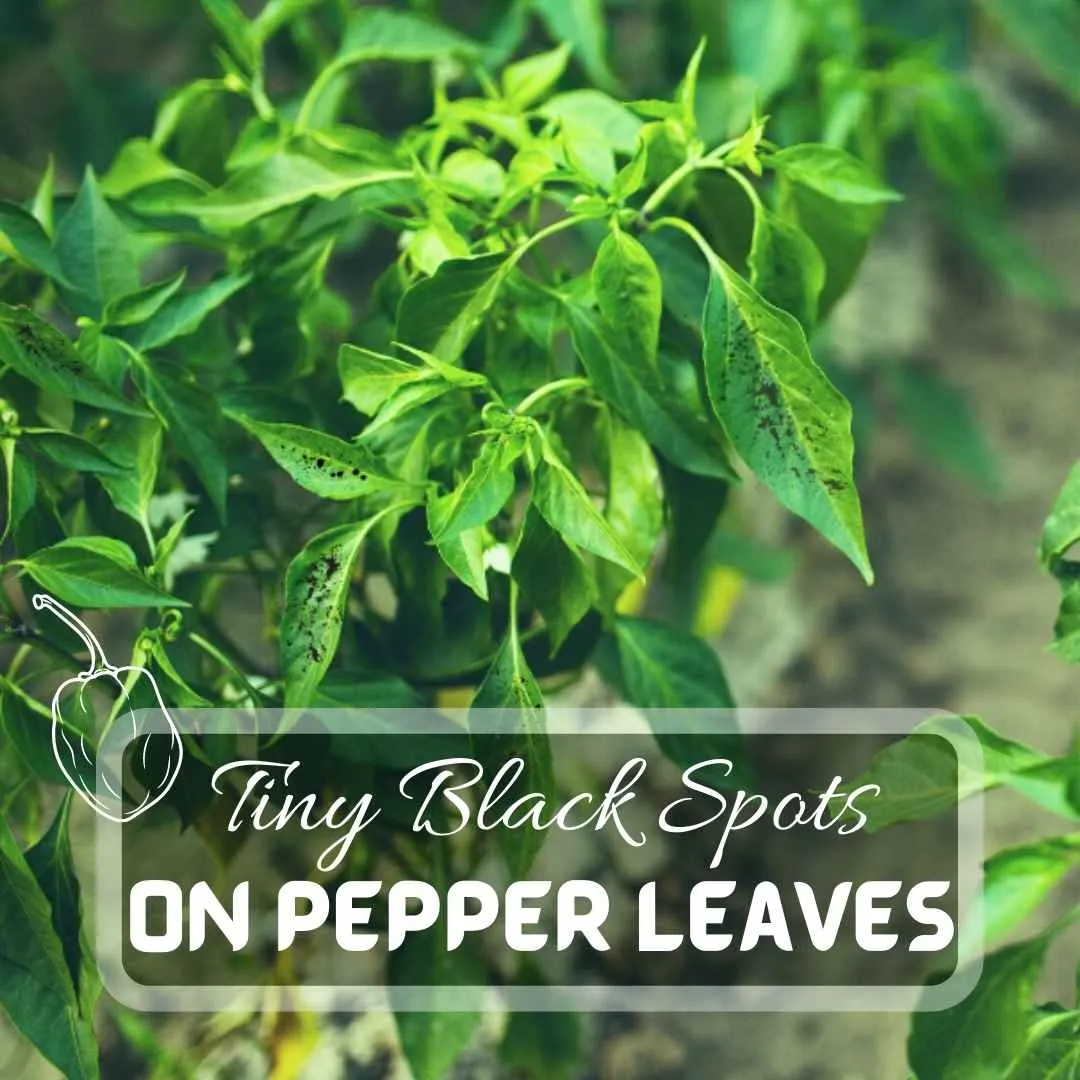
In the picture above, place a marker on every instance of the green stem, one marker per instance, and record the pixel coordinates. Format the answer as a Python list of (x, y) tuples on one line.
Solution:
[(572, 382)]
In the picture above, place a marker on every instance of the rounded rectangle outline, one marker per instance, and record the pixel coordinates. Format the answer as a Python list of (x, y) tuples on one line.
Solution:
[(609, 999)]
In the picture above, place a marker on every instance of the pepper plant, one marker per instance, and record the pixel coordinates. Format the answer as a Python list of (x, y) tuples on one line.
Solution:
[(434, 403)]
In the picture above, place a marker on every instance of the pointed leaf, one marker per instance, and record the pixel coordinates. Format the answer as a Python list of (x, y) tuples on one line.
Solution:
[(324, 464), (784, 417), (36, 990), (94, 250), (317, 585), (39, 352)]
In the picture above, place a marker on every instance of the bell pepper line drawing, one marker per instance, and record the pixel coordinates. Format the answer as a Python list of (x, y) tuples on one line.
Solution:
[(72, 756)]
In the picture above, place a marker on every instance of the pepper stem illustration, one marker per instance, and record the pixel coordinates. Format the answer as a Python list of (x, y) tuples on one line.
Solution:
[(98, 661)]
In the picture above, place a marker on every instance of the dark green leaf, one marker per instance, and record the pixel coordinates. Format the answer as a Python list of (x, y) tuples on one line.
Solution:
[(51, 864), (193, 418), (1048, 31), (29, 240), (944, 425), (629, 294), (94, 250), (380, 33), (784, 417), (1051, 1048), (640, 398), (95, 572), (786, 266), (543, 1046), (432, 1041), (71, 452), (440, 314), (554, 578), (634, 507), (36, 989), (979, 1038), (136, 444), (184, 313), (515, 702), (663, 667), (39, 352)]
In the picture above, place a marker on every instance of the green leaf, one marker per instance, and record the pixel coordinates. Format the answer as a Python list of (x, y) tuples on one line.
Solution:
[(667, 668), (36, 989), (95, 572), (184, 313), (920, 775), (784, 417), (287, 179), (236, 30), (47, 358), (369, 378), (136, 444), (71, 451), (482, 494), (640, 398), (324, 464), (944, 425), (629, 294), (511, 694), (144, 303), (764, 40), (432, 1041), (634, 507), (1062, 528), (440, 314), (317, 585), (840, 231), (1051, 1049), (380, 33), (20, 483), (530, 79), (1016, 881), (95, 252), (1048, 31), (51, 864), (464, 555), (979, 1038), (567, 507), (786, 266), (581, 25), (662, 667), (553, 577), (193, 418), (148, 181), (543, 1046), (29, 241), (832, 172), (27, 725)]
